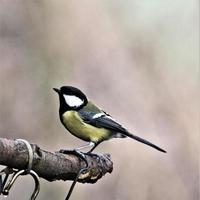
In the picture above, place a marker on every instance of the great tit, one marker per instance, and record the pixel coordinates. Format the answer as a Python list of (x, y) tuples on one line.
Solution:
[(88, 122)]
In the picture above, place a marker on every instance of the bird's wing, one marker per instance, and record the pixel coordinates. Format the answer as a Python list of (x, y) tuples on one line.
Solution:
[(102, 120)]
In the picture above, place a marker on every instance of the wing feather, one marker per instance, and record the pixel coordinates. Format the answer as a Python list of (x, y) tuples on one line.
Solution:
[(103, 121)]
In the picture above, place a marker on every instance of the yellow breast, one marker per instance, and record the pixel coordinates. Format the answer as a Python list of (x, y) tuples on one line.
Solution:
[(84, 131)]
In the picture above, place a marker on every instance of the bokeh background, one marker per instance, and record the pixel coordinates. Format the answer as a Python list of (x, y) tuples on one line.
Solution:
[(137, 59)]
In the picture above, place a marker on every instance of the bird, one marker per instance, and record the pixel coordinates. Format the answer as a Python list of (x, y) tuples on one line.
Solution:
[(82, 118)]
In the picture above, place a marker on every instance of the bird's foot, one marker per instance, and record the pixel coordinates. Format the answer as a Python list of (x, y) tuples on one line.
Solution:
[(76, 153)]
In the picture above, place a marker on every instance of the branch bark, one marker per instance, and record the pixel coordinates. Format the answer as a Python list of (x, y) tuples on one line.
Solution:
[(53, 165)]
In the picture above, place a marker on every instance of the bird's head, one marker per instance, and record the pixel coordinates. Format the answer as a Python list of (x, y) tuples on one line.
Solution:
[(71, 98)]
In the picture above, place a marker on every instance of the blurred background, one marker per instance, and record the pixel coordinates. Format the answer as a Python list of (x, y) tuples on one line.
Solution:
[(137, 59)]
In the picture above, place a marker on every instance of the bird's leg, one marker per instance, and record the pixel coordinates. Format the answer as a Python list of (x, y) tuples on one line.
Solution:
[(78, 152), (90, 144), (93, 147), (93, 154)]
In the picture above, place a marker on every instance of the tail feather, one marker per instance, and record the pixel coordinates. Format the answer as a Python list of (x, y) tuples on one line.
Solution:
[(144, 141)]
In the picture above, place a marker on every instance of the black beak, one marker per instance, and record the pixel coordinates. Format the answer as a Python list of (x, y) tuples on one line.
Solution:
[(56, 90)]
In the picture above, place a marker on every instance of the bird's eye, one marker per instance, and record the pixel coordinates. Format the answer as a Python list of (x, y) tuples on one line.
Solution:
[(73, 101)]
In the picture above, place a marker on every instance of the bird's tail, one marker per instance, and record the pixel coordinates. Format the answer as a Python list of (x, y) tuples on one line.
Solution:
[(144, 141)]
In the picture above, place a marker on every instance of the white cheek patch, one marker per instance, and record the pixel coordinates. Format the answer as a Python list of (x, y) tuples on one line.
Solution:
[(73, 101)]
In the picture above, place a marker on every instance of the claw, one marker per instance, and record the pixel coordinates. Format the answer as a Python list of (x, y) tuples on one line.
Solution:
[(76, 153)]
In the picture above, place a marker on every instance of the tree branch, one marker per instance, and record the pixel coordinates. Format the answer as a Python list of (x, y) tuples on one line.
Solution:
[(53, 165)]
